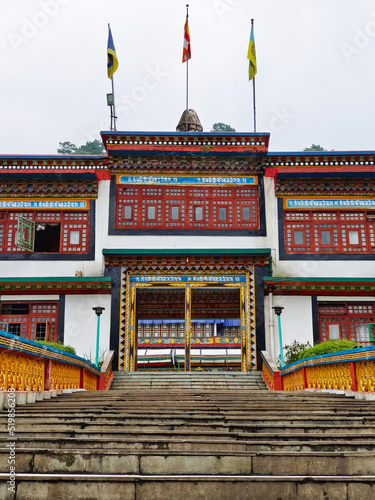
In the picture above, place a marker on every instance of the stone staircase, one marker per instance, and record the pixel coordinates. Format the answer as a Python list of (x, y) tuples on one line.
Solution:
[(189, 436)]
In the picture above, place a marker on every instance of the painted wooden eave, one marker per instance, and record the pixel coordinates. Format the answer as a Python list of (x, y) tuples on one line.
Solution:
[(55, 285), (320, 286)]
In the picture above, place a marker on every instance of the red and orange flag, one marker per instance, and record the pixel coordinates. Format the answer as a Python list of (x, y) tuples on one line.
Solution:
[(186, 52)]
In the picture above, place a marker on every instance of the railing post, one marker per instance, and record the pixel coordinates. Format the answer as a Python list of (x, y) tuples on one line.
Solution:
[(101, 382), (353, 376), (82, 377), (277, 381), (47, 375), (304, 377)]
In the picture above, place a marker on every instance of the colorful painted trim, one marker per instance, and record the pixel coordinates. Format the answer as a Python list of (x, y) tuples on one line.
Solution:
[(320, 286), (46, 163), (337, 203), (187, 165), (359, 354), (185, 143), (46, 285), (187, 180), (44, 204), (69, 186), (323, 159), (189, 251), (184, 279), (16, 343), (324, 184)]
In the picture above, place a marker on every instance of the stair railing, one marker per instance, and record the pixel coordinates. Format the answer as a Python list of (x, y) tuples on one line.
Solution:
[(26, 365), (271, 373), (351, 370), (106, 374)]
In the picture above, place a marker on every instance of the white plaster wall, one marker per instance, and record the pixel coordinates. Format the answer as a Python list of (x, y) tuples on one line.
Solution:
[(24, 298), (363, 298), (355, 268), (81, 323), (296, 322)]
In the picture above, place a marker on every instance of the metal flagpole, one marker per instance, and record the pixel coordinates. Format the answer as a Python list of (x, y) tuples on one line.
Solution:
[(113, 117), (254, 107), (187, 80)]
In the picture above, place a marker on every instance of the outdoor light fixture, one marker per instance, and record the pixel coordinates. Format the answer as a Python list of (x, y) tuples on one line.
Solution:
[(110, 100), (278, 310), (98, 311)]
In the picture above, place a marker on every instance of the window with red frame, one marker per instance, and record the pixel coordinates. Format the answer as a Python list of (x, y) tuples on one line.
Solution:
[(55, 231), (187, 207), (329, 232), (345, 321), (31, 320)]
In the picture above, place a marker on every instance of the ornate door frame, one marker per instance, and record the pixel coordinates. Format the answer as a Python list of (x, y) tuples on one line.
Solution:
[(131, 280)]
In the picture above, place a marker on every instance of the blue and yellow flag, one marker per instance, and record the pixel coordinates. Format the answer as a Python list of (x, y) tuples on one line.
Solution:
[(251, 55), (112, 64)]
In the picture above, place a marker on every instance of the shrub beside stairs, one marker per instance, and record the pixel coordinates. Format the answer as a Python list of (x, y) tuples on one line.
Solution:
[(207, 436)]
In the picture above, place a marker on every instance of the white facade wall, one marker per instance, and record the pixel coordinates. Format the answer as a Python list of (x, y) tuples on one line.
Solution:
[(295, 319), (81, 323)]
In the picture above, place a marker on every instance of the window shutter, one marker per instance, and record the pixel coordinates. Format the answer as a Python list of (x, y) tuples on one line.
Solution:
[(25, 234)]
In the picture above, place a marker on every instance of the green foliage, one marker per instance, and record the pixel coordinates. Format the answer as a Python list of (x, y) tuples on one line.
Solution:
[(315, 147), (328, 347), (292, 352), (67, 148), (90, 148), (222, 127), (58, 345), (101, 357)]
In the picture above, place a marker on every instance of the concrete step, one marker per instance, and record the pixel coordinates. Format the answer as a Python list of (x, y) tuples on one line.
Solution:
[(193, 440), (207, 487), (198, 443), (174, 463)]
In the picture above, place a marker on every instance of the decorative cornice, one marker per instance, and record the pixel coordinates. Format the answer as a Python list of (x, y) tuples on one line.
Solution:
[(141, 164), (184, 262), (338, 186), (30, 286), (324, 159), (320, 286), (184, 143), (52, 163), (48, 188)]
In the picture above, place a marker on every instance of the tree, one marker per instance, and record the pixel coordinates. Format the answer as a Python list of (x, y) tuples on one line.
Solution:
[(222, 127), (67, 148), (315, 147), (90, 148)]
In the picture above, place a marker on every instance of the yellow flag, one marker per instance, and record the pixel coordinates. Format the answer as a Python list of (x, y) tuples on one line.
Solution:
[(251, 55)]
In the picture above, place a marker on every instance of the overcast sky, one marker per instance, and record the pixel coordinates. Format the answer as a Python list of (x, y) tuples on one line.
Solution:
[(315, 81)]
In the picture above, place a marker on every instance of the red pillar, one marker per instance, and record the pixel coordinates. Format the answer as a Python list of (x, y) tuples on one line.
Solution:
[(277, 381), (304, 377), (82, 378), (354, 376), (101, 382), (47, 375)]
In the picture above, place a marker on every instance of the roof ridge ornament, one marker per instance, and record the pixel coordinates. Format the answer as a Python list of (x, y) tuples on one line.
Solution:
[(189, 119)]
